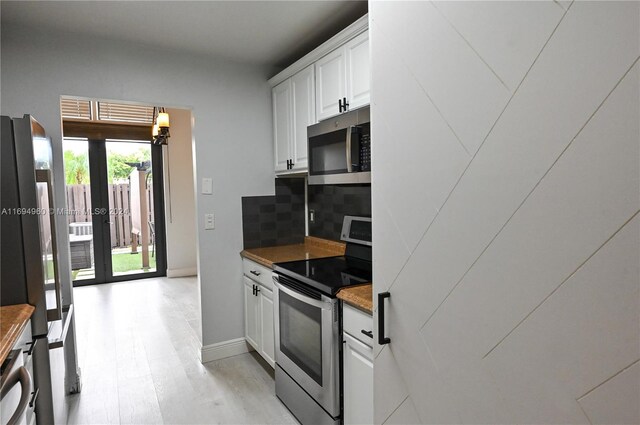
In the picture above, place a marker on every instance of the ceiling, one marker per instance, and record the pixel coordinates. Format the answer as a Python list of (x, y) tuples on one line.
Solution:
[(268, 33)]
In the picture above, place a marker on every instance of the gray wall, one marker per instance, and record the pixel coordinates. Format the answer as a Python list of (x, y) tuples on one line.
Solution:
[(231, 106), (505, 209)]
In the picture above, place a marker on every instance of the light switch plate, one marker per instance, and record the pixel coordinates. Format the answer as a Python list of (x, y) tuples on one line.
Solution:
[(207, 186), (209, 223)]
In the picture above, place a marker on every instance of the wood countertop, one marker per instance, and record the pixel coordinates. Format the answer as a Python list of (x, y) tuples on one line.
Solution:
[(360, 296), (311, 248), (13, 319)]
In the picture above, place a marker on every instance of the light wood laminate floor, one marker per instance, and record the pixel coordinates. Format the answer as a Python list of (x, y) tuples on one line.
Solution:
[(137, 348)]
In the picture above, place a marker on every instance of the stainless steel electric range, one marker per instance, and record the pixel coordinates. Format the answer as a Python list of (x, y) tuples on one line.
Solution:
[(308, 325)]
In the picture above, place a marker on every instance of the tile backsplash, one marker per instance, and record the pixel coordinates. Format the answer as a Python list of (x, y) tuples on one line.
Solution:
[(274, 220), (331, 203)]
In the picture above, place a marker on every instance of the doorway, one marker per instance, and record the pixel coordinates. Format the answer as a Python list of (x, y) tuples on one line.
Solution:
[(115, 203)]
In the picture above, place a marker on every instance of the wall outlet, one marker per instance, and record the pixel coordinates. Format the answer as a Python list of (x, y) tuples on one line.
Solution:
[(209, 223), (312, 216), (207, 186)]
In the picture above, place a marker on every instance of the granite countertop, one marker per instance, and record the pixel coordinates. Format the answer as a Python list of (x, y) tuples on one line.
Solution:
[(311, 248), (360, 296), (13, 319)]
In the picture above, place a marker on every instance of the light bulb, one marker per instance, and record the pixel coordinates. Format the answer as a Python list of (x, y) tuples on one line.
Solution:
[(163, 120)]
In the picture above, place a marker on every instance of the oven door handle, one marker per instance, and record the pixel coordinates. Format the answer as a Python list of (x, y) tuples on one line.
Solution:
[(325, 305), (20, 375)]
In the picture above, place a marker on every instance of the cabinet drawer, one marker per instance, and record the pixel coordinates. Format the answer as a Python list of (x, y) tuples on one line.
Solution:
[(257, 273), (354, 321), (25, 339)]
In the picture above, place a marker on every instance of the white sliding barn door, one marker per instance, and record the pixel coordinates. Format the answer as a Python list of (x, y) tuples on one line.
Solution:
[(505, 176)]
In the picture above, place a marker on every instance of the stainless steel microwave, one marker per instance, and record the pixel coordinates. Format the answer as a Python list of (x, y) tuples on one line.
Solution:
[(340, 149)]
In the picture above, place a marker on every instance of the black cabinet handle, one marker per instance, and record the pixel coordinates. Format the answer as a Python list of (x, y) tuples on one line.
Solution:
[(257, 290), (34, 397), (382, 340), (32, 345), (291, 164), (367, 333), (343, 105), (253, 289), (255, 273)]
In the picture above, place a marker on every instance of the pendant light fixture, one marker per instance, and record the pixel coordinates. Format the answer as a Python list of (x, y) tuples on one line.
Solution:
[(160, 130)]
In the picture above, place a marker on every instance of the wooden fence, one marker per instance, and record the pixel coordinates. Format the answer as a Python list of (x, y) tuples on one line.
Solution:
[(79, 207)]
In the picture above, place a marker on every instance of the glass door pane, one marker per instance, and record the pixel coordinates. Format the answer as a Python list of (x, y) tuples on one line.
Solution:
[(327, 154), (131, 212), (78, 208), (301, 334)]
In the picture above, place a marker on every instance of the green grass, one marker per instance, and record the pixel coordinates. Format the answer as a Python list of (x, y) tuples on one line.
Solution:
[(122, 263)]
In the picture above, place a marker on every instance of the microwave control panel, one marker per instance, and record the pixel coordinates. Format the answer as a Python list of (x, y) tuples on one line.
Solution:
[(365, 152)]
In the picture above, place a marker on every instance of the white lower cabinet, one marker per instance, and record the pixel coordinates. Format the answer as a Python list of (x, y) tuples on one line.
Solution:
[(357, 358), (251, 307), (267, 328), (259, 328)]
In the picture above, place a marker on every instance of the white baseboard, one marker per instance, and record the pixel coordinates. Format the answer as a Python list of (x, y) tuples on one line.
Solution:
[(224, 349), (188, 271)]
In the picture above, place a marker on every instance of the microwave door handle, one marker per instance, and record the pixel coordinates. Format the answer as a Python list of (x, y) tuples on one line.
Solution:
[(325, 305), (349, 165)]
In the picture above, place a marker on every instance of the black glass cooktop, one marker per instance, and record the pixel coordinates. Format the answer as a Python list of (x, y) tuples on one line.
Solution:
[(328, 275)]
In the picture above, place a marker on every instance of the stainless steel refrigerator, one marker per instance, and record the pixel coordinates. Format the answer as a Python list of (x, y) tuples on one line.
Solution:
[(29, 267)]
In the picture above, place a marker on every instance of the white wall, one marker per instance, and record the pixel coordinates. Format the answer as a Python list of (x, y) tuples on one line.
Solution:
[(231, 106), (179, 196), (505, 206)]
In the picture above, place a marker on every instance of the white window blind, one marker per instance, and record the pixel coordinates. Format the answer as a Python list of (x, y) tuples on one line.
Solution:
[(121, 112), (75, 108)]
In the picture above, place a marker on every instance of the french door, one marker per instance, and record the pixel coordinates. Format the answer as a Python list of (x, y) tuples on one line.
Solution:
[(116, 220)]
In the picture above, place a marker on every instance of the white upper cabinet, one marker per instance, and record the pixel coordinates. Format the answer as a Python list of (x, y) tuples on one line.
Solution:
[(331, 81), (303, 114), (343, 76), (293, 111), (282, 124), (314, 88), (358, 71)]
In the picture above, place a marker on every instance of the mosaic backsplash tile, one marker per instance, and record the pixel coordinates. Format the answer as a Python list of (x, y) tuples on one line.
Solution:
[(274, 220), (331, 203)]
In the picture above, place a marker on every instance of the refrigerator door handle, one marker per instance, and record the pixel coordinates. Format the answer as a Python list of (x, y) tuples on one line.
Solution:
[(44, 176)]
